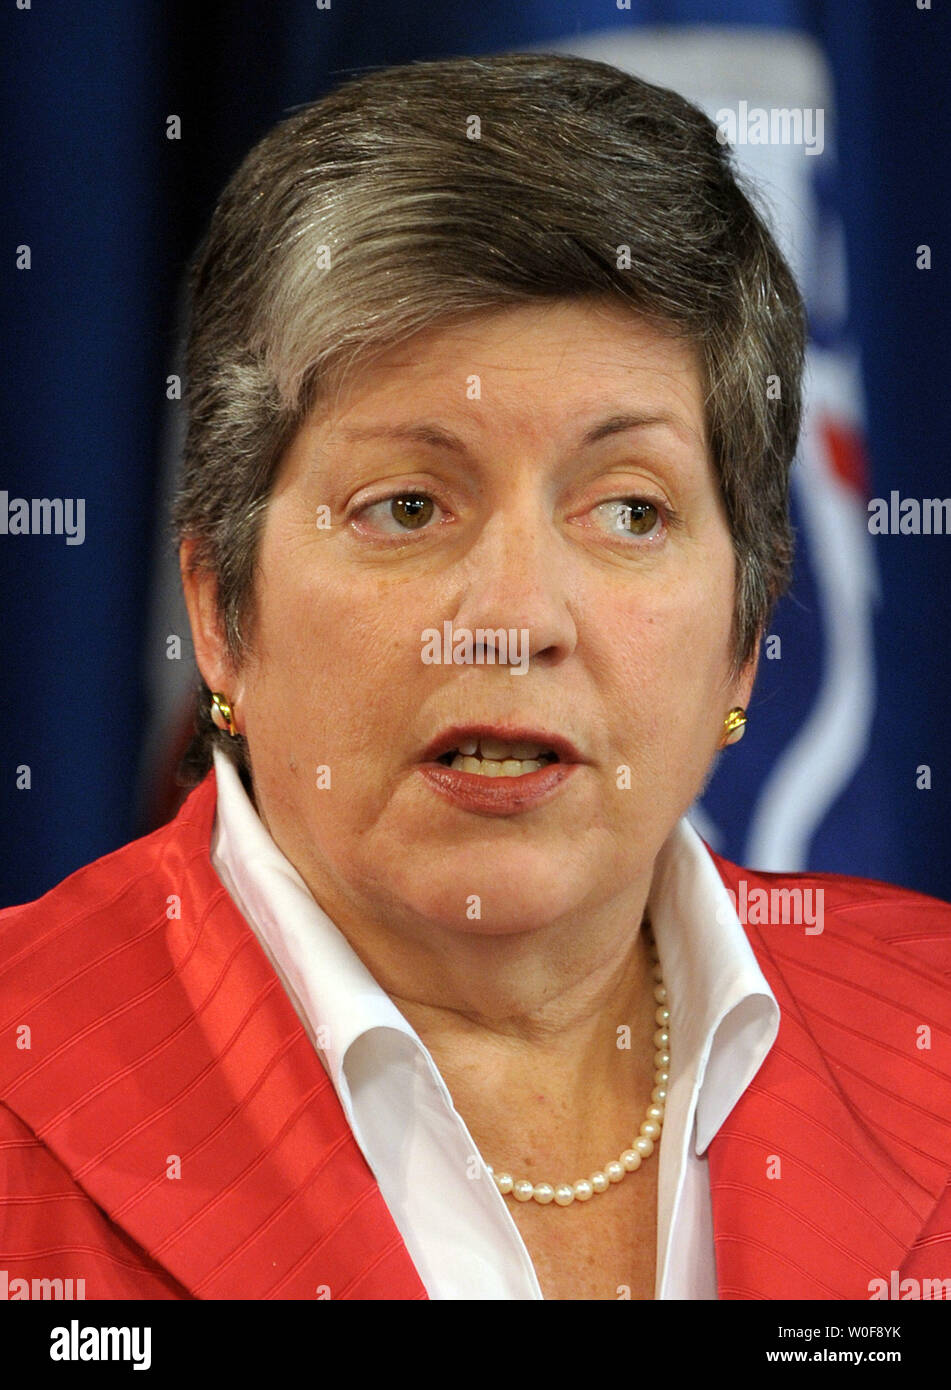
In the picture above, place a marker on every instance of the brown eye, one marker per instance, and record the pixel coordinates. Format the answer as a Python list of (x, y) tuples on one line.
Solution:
[(639, 518), (630, 516), (411, 511)]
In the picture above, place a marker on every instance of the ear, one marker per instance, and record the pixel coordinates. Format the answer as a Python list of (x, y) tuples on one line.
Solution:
[(741, 686), (211, 649), (746, 677)]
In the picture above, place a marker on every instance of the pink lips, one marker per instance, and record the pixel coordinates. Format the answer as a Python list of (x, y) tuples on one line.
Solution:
[(498, 796)]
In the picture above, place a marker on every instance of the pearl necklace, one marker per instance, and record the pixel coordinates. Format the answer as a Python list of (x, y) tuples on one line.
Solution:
[(563, 1194)]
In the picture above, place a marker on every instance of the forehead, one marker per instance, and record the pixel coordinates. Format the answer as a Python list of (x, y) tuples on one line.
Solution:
[(539, 368)]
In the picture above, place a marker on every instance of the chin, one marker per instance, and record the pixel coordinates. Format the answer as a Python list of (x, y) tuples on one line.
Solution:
[(496, 897)]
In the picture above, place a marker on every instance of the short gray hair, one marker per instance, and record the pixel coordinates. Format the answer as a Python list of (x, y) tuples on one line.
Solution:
[(415, 194)]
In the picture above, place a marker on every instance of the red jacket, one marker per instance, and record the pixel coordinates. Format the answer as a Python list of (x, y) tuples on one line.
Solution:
[(144, 1035)]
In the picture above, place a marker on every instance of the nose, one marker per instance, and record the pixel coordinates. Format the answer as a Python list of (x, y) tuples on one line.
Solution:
[(516, 576)]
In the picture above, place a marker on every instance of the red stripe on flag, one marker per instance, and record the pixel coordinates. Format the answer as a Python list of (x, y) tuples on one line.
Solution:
[(845, 447)]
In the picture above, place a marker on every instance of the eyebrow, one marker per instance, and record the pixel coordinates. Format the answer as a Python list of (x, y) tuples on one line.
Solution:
[(618, 424), (438, 437), (416, 434)]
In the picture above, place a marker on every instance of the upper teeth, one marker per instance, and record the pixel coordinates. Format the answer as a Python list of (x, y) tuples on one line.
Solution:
[(497, 751)]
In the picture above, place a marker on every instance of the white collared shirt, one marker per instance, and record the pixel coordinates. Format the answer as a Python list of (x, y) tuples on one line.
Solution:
[(453, 1220)]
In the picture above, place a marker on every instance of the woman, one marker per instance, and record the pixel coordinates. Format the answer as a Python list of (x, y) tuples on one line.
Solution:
[(484, 510)]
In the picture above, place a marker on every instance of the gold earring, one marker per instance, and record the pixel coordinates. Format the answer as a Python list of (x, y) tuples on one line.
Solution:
[(734, 726), (221, 715)]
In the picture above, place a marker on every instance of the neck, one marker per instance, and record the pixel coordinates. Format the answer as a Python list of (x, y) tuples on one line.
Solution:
[(551, 990), (544, 1038), (553, 1092), (523, 995)]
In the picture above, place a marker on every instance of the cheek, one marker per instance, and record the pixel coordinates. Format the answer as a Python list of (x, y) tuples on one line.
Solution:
[(337, 660), (667, 661), (678, 635)]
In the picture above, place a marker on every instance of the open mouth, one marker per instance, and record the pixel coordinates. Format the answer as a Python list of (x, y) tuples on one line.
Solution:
[(486, 757)]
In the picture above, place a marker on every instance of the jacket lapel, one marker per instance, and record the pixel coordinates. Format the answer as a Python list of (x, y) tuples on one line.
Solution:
[(826, 1172), (220, 1148)]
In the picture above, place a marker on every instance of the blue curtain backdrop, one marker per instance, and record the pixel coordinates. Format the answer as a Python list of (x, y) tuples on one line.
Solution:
[(111, 210)]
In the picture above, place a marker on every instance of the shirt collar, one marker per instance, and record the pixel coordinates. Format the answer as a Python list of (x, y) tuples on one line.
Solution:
[(724, 1016), (339, 1001)]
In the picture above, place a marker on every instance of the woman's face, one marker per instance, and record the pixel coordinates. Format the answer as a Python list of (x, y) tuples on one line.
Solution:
[(561, 491)]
